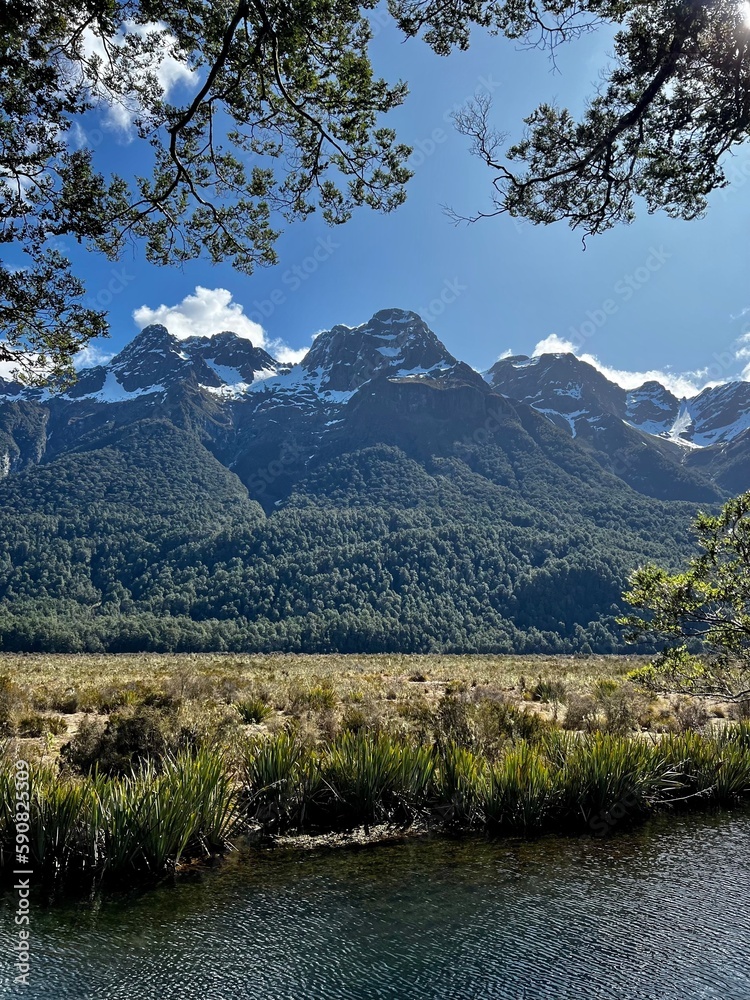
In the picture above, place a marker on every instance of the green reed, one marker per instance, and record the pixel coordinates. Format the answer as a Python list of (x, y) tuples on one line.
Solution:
[(190, 805), (145, 822)]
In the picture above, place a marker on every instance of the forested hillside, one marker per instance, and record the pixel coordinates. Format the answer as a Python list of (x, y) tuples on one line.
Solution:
[(379, 496), (147, 542)]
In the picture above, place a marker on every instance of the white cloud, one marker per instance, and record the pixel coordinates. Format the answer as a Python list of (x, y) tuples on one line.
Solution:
[(90, 356), (208, 311), (7, 370), (680, 383), (287, 355), (506, 354), (553, 345), (742, 347), (168, 69)]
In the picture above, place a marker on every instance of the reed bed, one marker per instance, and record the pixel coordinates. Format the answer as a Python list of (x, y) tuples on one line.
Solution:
[(191, 805), (143, 824), (565, 782)]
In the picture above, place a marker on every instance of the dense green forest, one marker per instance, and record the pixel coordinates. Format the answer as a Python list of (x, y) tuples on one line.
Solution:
[(144, 541)]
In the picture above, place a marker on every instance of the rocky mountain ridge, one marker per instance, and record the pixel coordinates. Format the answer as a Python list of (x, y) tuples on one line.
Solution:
[(572, 392), (377, 383)]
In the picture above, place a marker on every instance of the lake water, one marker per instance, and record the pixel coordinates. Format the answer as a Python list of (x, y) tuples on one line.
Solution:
[(662, 913)]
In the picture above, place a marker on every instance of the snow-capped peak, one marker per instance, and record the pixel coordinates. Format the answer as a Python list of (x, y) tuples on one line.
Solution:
[(155, 360), (394, 343)]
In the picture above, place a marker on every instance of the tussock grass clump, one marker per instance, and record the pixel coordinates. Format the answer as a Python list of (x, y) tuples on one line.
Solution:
[(739, 734), (315, 697), (143, 823), (546, 689), (33, 724), (375, 779), (600, 771), (188, 804), (253, 710), (520, 793), (564, 781), (460, 786), (281, 780), (715, 769)]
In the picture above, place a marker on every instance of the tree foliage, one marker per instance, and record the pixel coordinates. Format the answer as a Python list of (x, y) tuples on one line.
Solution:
[(703, 613), (673, 102), (374, 552), (283, 118)]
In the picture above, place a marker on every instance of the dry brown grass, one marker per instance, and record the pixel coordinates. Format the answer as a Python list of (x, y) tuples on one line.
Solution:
[(317, 692)]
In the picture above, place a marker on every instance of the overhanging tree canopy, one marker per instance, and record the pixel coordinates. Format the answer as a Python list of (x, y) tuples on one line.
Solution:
[(285, 118), (674, 101)]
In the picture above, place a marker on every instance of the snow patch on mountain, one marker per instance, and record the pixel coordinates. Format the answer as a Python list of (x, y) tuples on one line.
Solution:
[(113, 391), (574, 391), (569, 418), (680, 430)]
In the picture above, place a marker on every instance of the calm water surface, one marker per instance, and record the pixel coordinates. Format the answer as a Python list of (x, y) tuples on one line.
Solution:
[(660, 913)]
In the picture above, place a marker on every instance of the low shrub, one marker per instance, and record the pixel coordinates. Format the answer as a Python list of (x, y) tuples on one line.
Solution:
[(453, 688), (689, 713), (34, 724), (623, 706), (451, 723), (581, 713), (611, 708), (740, 710), (357, 719), (253, 710), (202, 723), (499, 722), (125, 742)]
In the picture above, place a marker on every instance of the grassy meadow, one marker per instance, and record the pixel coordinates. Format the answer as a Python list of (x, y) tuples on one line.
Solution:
[(140, 764)]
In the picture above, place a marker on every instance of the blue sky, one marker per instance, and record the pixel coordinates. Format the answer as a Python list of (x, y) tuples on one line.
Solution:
[(658, 296)]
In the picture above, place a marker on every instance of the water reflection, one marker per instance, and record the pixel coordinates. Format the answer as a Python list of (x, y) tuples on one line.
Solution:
[(660, 913)]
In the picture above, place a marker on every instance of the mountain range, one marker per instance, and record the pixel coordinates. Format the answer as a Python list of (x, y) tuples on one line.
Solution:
[(379, 495)]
